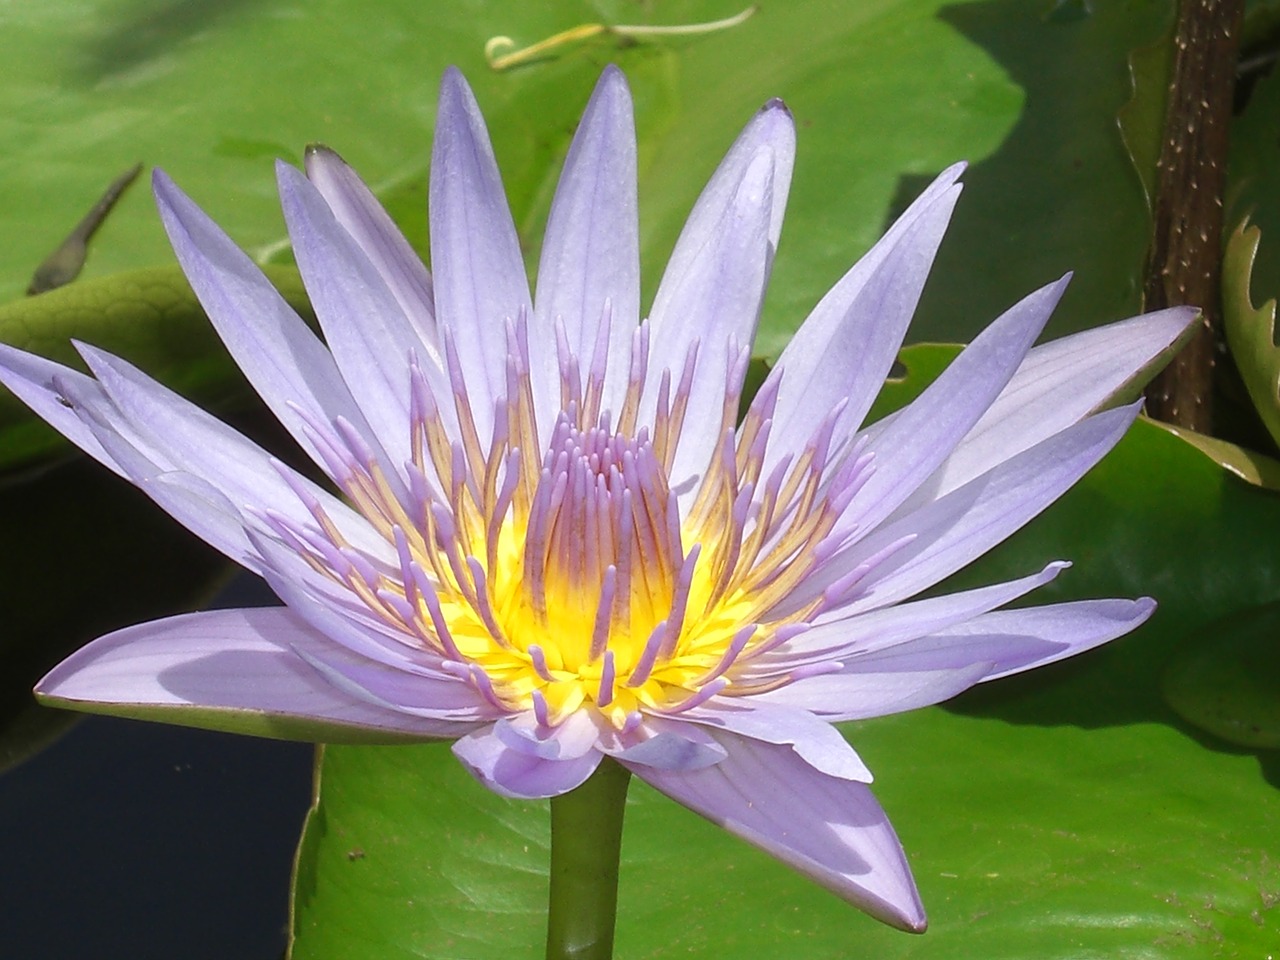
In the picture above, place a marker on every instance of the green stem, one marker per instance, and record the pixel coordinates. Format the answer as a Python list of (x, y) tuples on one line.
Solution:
[(586, 840)]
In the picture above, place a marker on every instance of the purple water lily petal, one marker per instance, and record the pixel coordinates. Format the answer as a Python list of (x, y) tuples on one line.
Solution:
[(723, 288), (846, 347), (289, 367), (837, 635), (589, 273), (908, 449), (830, 828), (815, 741), (359, 212), (479, 277), (664, 745), (178, 436), (232, 670), (838, 697), (1057, 385), (948, 533), (34, 380), (373, 354), (521, 774)]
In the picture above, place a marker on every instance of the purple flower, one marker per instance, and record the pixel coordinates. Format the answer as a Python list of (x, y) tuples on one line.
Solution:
[(553, 543)]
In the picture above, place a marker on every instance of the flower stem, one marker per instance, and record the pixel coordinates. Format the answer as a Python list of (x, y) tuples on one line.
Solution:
[(586, 840)]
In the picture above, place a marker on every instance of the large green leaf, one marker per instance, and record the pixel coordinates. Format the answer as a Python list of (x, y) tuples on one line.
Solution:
[(885, 92), (1065, 814)]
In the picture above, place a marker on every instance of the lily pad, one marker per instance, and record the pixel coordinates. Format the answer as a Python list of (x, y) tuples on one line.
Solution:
[(1226, 680)]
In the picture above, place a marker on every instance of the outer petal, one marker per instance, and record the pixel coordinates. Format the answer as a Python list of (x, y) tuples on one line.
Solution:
[(934, 668), (176, 435), (333, 610), (1058, 384), (192, 501), (943, 536), (1016, 640), (708, 315), (911, 446), (846, 346), (771, 128), (591, 250), (828, 828), (286, 363), (364, 326), (480, 282), (837, 697), (839, 636), (402, 690), (233, 670), (32, 380), (715, 279), (519, 772), (359, 212), (664, 744), (573, 738)]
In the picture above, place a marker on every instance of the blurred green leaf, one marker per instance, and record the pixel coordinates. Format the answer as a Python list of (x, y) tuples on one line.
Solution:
[(885, 93), (1253, 189), (1063, 814), (1249, 465), (148, 315), (1250, 330), (1142, 118)]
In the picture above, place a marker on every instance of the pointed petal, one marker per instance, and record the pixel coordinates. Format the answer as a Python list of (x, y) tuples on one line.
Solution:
[(402, 690), (909, 448), (846, 346), (665, 744), (333, 610), (480, 281), (233, 670), (285, 362), (1017, 640), (712, 307), (520, 774), (838, 697), (192, 501), (574, 737), (828, 828), (1058, 384), (175, 435), (771, 129), (950, 532), (367, 332), (591, 250), (714, 282), (933, 668), (839, 635), (360, 214), (32, 380)]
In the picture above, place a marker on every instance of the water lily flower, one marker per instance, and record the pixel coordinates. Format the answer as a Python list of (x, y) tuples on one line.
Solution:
[(553, 541)]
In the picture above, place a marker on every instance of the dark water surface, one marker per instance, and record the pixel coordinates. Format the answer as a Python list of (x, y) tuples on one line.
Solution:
[(135, 840)]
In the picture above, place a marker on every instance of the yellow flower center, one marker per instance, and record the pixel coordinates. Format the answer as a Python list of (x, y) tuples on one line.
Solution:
[(574, 579)]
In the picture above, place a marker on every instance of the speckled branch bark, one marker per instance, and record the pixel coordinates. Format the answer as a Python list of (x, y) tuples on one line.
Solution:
[(1184, 262)]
